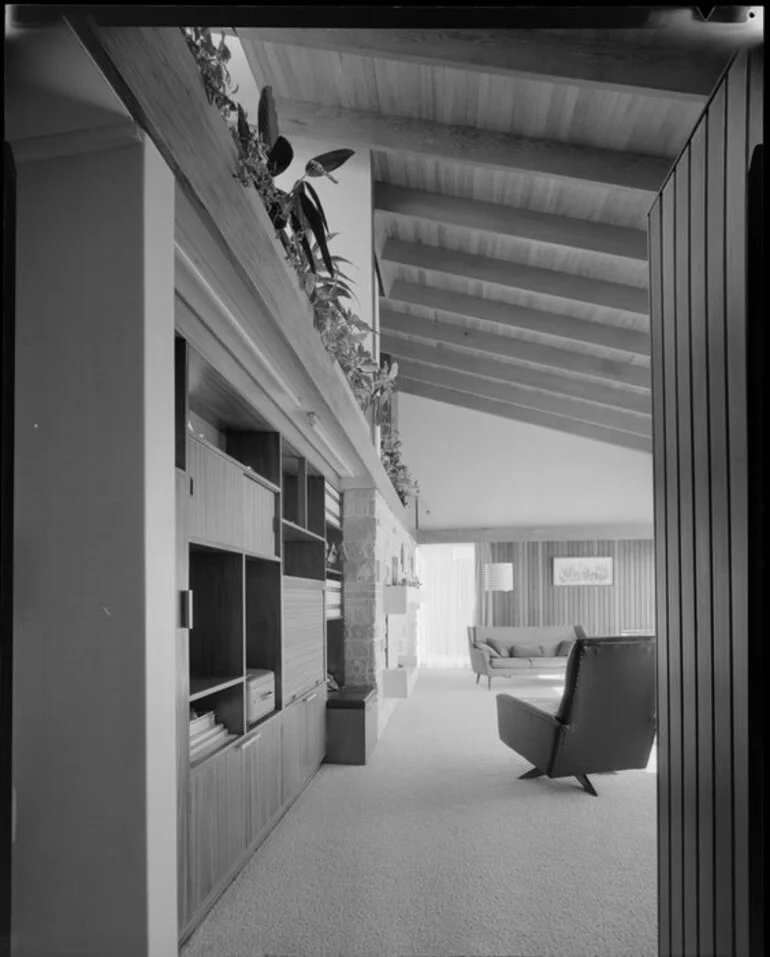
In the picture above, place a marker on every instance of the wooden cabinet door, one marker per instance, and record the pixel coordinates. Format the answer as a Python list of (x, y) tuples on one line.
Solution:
[(262, 779), (293, 751), (316, 723), (259, 508), (304, 741), (216, 496), (216, 824)]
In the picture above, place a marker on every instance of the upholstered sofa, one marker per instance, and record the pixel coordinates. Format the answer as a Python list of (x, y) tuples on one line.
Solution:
[(504, 652)]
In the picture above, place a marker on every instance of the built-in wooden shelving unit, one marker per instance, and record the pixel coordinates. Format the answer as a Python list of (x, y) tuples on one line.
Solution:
[(252, 576)]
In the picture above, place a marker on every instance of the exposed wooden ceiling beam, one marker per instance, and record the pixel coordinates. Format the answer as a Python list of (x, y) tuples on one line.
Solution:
[(501, 272), (570, 408), (501, 220), (467, 145), (498, 369), (464, 337), (517, 317), (594, 60), (545, 419)]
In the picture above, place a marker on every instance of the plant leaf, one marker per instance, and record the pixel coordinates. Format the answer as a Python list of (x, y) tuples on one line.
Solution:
[(244, 132), (318, 203), (280, 156), (316, 224), (267, 117), (327, 162)]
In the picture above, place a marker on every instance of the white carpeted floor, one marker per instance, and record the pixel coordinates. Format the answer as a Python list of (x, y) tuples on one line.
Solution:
[(436, 849)]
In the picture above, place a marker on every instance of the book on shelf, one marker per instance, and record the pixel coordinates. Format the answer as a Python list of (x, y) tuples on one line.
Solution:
[(207, 735), (203, 737), (202, 722)]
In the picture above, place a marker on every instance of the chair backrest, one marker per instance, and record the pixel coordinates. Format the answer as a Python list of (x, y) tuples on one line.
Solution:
[(608, 703)]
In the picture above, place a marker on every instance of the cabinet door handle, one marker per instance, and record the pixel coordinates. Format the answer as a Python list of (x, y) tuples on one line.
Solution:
[(186, 609), (247, 744), (310, 698)]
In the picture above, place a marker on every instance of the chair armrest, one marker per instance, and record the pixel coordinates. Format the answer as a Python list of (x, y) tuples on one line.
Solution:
[(528, 730)]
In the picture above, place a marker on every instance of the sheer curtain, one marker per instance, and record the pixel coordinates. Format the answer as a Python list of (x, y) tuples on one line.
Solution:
[(449, 606), (483, 612)]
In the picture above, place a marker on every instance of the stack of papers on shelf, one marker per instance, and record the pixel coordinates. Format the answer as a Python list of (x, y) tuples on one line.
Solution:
[(333, 506), (333, 600), (206, 735)]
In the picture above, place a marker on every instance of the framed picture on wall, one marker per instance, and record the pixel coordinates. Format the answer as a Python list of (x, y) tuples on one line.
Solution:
[(586, 570)]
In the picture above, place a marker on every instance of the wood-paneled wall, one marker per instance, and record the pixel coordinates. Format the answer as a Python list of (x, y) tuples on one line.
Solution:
[(701, 302), (600, 609)]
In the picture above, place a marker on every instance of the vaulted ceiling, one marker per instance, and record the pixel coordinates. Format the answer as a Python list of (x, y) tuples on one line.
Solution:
[(513, 173)]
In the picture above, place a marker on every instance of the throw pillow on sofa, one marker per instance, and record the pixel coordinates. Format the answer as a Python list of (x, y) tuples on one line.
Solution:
[(527, 651), (499, 647), (565, 647), (490, 647)]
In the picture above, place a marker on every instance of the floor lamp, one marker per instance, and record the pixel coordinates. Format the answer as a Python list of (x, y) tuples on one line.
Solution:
[(498, 576)]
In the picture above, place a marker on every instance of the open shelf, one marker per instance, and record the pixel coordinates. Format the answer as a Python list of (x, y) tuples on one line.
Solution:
[(201, 687), (305, 559), (216, 636), (259, 452), (263, 619), (295, 533), (221, 711)]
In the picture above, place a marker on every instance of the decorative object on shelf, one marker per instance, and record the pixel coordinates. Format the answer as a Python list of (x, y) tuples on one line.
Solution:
[(398, 473), (298, 217), (498, 576), (587, 570)]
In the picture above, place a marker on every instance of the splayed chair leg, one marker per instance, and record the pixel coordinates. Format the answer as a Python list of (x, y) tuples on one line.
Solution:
[(478, 678), (532, 773), (587, 786), (489, 683)]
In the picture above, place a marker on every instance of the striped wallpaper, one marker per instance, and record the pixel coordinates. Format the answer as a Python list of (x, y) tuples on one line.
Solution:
[(600, 609)]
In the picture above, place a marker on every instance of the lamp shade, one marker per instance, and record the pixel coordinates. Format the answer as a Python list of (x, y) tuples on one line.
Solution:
[(498, 576)]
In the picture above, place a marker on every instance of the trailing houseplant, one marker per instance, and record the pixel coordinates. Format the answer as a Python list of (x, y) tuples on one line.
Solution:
[(300, 222), (398, 473)]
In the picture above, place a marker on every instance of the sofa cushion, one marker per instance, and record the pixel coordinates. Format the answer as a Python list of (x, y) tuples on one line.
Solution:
[(549, 664), (527, 651), (565, 647), (486, 646), (499, 645), (511, 664)]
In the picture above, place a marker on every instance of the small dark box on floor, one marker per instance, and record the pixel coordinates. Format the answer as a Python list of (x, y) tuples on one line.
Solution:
[(351, 725)]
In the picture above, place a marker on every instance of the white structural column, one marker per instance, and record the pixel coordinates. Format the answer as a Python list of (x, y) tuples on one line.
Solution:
[(94, 859)]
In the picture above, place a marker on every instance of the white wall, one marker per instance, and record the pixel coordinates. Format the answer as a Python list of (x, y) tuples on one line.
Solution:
[(348, 203), (476, 469), (94, 740)]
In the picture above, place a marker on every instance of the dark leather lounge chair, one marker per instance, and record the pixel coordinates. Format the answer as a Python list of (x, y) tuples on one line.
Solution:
[(606, 718)]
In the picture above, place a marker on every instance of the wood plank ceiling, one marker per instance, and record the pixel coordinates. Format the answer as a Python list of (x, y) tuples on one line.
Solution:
[(513, 173)]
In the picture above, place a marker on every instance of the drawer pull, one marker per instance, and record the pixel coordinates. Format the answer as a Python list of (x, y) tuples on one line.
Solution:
[(310, 698)]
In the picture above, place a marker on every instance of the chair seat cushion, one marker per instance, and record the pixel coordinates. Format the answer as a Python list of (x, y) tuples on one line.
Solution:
[(511, 664)]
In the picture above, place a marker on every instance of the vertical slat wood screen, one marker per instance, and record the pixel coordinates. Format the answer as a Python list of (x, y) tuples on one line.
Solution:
[(303, 636), (601, 609), (698, 296)]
